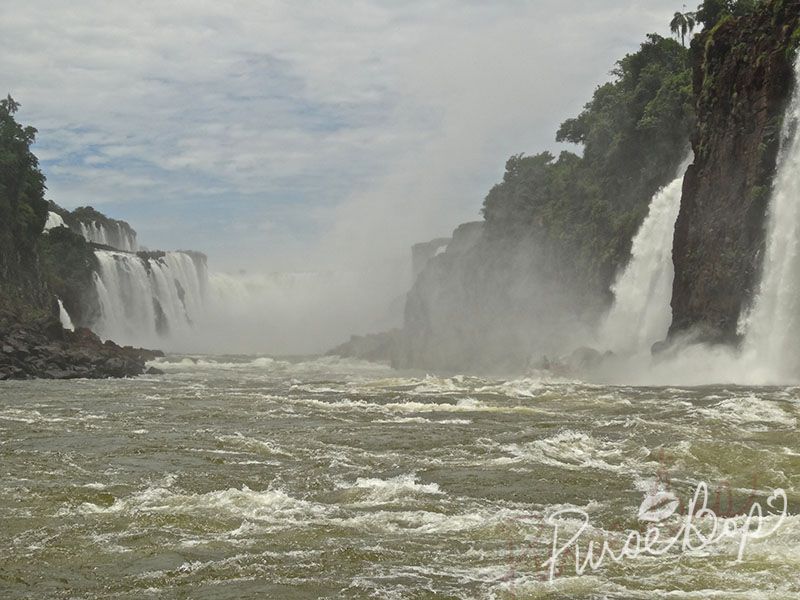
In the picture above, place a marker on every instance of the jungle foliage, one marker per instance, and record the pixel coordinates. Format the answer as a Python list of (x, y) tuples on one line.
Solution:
[(586, 209)]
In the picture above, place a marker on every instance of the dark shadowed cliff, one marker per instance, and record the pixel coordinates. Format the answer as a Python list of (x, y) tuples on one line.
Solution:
[(742, 82)]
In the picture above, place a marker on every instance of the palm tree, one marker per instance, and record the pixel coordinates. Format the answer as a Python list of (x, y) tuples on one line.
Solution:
[(681, 24)]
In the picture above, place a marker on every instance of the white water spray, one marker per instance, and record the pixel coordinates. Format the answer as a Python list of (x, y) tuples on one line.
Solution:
[(63, 315), (145, 300), (116, 237), (641, 313), (772, 328), (53, 220)]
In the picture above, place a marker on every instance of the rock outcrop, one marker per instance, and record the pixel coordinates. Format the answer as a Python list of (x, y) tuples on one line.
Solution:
[(533, 278), (742, 82), (424, 251), (374, 347), (43, 349), (487, 306), (34, 267)]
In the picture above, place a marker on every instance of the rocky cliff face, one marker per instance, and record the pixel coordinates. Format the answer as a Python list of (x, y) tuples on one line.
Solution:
[(42, 349), (531, 281), (489, 305), (69, 263), (424, 251), (98, 228), (742, 82), (34, 267)]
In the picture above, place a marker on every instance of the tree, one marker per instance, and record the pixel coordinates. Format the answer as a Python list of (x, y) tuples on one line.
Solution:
[(586, 209), (9, 106), (681, 24), (711, 11), (22, 204), (23, 209)]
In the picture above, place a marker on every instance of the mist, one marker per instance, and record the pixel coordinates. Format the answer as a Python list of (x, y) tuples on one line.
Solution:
[(289, 142), (305, 166)]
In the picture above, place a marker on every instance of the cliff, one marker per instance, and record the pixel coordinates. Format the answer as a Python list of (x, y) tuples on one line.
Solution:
[(488, 306), (533, 278), (43, 349), (373, 347), (742, 79), (98, 228), (35, 267), (424, 251)]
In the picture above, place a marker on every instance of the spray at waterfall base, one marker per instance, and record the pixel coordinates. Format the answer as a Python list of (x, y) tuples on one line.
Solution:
[(768, 327)]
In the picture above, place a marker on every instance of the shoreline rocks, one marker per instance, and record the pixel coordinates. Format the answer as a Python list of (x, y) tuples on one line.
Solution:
[(45, 350)]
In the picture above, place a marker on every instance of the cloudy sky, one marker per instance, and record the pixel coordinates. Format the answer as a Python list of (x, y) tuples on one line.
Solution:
[(294, 135)]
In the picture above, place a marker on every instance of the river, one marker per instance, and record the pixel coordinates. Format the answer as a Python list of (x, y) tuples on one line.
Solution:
[(253, 477)]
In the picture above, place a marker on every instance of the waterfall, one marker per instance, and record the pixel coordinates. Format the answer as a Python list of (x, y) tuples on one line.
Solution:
[(117, 237), (772, 327), (63, 315), (53, 220), (641, 313), (147, 300)]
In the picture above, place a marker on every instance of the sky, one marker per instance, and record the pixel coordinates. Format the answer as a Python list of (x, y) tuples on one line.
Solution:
[(302, 135)]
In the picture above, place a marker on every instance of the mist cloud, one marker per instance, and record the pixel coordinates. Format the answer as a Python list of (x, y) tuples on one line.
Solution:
[(292, 136)]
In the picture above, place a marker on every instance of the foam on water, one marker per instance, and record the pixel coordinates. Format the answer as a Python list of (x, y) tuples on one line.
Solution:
[(572, 450), (198, 362), (752, 413), (468, 405), (517, 388), (381, 491), (302, 476), (426, 523), (252, 444), (439, 386), (274, 506)]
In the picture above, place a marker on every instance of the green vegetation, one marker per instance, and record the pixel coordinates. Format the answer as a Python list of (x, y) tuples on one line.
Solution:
[(585, 210), (794, 45), (23, 212), (711, 12), (88, 214), (33, 266), (22, 204), (681, 24), (67, 262)]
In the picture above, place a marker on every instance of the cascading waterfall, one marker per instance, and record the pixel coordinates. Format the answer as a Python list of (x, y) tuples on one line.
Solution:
[(54, 220), (144, 300), (641, 313), (117, 237), (772, 327), (63, 315)]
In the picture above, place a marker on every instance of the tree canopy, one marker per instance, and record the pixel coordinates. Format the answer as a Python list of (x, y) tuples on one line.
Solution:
[(711, 12), (23, 209), (682, 24), (634, 133)]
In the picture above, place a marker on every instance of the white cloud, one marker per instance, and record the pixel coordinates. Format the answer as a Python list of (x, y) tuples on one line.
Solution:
[(351, 128)]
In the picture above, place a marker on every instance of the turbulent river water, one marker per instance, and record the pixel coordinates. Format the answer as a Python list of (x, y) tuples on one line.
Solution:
[(322, 478)]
